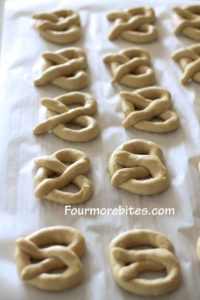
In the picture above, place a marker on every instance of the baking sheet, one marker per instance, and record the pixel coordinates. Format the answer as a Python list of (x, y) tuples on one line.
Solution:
[(21, 213)]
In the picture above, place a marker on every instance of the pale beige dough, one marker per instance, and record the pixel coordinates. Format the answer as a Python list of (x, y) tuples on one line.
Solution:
[(131, 67), (187, 21), (138, 167), (59, 27), (148, 109), (129, 259), (189, 60), (52, 249), (60, 169), (65, 68), (60, 116), (136, 25)]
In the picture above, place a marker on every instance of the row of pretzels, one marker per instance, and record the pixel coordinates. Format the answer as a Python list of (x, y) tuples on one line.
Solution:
[(61, 247), (137, 25), (136, 166)]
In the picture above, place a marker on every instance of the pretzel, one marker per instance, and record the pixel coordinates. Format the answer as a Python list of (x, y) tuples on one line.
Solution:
[(65, 69), (60, 115), (60, 27), (60, 169), (147, 109), (138, 167), (187, 21), (127, 262), (57, 248), (189, 60), (131, 67), (135, 25)]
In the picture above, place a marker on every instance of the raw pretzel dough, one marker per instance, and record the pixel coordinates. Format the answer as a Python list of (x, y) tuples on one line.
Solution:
[(60, 169), (59, 27), (189, 60), (127, 262), (187, 21), (148, 109), (60, 115), (52, 249), (65, 69), (135, 25), (138, 167), (131, 67)]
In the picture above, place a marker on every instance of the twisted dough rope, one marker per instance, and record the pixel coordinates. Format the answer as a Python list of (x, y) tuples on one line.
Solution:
[(189, 60), (60, 27), (135, 25), (60, 169), (131, 67), (138, 167), (65, 69), (60, 115), (148, 109), (187, 21), (127, 263), (53, 249)]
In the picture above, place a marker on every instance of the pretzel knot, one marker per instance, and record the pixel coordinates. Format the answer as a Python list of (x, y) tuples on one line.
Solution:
[(128, 263), (135, 25), (60, 27), (148, 109), (187, 21), (189, 60), (131, 67), (138, 167), (57, 171), (65, 69), (53, 249), (60, 116)]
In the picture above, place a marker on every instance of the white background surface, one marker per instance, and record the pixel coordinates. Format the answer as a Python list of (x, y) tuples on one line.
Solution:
[(21, 213)]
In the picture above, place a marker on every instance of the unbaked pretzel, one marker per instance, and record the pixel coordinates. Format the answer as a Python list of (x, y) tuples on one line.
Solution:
[(187, 21), (148, 109), (60, 27), (127, 262), (131, 67), (51, 249), (60, 169), (138, 167), (189, 60), (60, 115), (135, 25), (64, 68)]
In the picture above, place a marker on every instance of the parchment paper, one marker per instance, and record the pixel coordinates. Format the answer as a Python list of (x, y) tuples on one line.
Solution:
[(21, 213)]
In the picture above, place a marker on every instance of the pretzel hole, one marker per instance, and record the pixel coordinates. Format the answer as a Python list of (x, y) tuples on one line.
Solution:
[(140, 247), (153, 97), (70, 188), (143, 28), (47, 245), (139, 71), (141, 151), (71, 75), (58, 270), (74, 105), (74, 126), (156, 120), (152, 274)]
